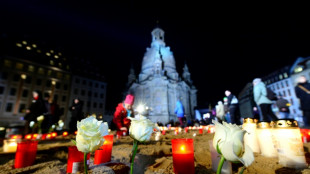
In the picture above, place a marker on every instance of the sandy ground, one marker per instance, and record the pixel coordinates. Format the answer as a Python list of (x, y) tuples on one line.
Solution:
[(154, 157)]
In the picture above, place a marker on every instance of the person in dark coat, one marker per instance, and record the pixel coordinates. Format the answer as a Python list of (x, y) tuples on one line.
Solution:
[(76, 114), (284, 107), (233, 107), (302, 90), (36, 109)]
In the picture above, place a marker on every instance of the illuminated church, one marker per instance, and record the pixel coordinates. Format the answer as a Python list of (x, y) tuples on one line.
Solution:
[(159, 85)]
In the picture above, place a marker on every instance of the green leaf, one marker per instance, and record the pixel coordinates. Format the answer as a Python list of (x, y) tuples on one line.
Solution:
[(73, 141)]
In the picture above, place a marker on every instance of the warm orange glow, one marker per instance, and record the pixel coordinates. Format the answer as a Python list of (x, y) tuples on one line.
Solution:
[(65, 133), (182, 148), (75, 132), (54, 134), (34, 136), (48, 136), (308, 133), (28, 137)]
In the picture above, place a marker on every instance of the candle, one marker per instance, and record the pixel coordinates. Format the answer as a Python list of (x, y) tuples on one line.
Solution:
[(104, 153), (266, 140), (183, 156), (250, 138), (186, 130), (25, 154), (157, 136), (305, 135), (289, 144), (65, 133), (75, 161), (10, 145)]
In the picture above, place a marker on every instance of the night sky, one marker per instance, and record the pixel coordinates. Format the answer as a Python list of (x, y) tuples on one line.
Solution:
[(225, 46)]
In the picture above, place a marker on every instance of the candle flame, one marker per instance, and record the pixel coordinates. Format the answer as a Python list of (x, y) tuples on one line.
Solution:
[(182, 148), (28, 137), (65, 133)]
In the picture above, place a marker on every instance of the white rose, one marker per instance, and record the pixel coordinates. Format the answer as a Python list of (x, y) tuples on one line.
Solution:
[(90, 134), (40, 118), (141, 129), (229, 140)]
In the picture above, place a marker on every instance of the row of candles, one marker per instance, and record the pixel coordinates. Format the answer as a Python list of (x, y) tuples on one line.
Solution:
[(10, 145), (282, 138)]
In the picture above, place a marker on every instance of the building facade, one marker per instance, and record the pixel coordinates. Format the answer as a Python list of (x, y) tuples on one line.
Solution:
[(283, 82), (26, 65), (159, 85)]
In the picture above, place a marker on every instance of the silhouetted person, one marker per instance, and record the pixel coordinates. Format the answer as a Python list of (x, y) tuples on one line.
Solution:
[(76, 114), (302, 90), (36, 109)]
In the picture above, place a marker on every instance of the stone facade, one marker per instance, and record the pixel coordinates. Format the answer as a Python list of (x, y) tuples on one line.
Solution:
[(159, 85)]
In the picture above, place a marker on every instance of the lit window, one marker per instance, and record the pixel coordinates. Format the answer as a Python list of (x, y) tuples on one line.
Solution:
[(56, 56), (40, 71), (298, 69), (7, 63), (31, 68), (19, 44), (24, 42), (48, 54), (285, 75), (59, 75), (51, 62), (59, 64), (53, 82), (34, 45), (52, 51), (19, 66), (59, 54), (49, 72), (280, 77), (28, 47)]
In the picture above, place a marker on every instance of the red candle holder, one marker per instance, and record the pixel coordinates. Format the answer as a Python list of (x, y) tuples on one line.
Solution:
[(183, 156), (75, 161), (25, 154), (104, 153), (186, 130), (200, 130), (163, 132)]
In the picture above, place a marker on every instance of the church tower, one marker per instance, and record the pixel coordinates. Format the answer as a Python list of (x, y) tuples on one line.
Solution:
[(159, 86)]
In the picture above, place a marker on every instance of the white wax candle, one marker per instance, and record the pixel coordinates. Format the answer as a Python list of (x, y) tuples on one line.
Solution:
[(290, 147), (250, 137), (266, 142), (10, 145)]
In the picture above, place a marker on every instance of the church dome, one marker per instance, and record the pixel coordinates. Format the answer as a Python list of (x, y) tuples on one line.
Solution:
[(158, 51)]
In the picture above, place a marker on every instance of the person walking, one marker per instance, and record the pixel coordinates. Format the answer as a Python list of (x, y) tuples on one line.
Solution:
[(302, 90), (261, 100), (233, 107), (179, 111), (219, 110)]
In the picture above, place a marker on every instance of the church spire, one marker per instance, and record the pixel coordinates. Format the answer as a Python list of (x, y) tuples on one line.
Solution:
[(131, 76), (186, 75)]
